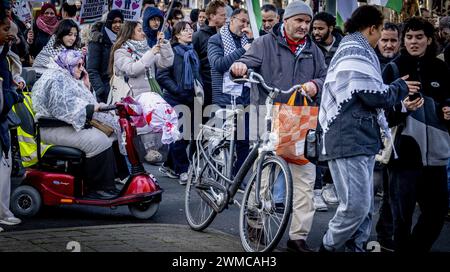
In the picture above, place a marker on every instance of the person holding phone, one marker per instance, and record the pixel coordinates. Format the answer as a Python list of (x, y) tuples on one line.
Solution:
[(63, 92), (422, 142)]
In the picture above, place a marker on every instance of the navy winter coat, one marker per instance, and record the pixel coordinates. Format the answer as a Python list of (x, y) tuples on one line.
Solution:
[(170, 79), (221, 64), (98, 61)]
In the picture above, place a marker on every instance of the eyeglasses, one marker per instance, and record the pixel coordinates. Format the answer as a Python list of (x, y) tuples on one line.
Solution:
[(187, 30), (244, 21)]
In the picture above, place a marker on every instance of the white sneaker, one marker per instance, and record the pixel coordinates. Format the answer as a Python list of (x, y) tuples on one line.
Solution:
[(319, 204), (10, 221), (183, 178), (168, 172), (329, 194)]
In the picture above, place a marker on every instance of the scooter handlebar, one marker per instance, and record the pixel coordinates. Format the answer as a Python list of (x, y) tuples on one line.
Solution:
[(107, 108)]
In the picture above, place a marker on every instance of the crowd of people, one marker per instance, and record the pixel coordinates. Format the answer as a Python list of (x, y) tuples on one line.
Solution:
[(382, 90)]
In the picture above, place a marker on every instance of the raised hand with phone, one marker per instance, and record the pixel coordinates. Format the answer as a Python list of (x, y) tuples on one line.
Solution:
[(414, 100)]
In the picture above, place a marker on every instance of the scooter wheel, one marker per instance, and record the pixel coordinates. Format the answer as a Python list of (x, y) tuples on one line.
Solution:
[(25, 201), (143, 210)]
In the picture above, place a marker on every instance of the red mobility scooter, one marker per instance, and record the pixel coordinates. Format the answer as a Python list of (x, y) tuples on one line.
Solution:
[(57, 178)]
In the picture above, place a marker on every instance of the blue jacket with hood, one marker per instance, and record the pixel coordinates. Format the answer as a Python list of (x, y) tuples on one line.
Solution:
[(151, 34)]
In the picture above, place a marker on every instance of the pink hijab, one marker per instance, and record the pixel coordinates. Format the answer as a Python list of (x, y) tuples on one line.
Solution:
[(45, 23)]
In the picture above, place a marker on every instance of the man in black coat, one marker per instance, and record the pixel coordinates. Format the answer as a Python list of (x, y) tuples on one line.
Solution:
[(215, 11)]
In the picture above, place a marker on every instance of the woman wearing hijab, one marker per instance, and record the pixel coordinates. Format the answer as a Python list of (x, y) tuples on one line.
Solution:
[(43, 28), (178, 83), (63, 93), (102, 38)]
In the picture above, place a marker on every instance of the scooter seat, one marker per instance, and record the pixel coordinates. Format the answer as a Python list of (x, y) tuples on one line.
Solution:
[(60, 152)]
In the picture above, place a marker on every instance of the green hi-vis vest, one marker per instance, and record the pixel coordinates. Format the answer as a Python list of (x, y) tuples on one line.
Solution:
[(26, 133)]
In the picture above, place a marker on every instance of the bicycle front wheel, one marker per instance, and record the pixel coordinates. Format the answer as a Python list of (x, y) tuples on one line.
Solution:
[(261, 225)]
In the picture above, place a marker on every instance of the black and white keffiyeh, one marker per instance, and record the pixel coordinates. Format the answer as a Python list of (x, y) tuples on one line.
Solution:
[(228, 43), (355, 68), (48, 52)]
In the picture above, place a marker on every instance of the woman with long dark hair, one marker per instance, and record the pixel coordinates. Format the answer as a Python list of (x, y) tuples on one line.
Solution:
[(66, 36)]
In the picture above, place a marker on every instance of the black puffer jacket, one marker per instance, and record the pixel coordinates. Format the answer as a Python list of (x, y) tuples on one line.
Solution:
[(98, 61), (329, 54), (200, 43), (40, 40)]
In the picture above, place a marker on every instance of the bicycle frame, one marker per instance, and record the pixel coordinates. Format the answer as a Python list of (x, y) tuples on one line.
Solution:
[(260, 149)]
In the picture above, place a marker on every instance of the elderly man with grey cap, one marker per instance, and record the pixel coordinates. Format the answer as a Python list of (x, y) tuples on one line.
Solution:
[(286, 57)]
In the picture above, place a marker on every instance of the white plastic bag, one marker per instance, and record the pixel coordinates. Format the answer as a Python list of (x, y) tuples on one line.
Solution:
[(159, 116)]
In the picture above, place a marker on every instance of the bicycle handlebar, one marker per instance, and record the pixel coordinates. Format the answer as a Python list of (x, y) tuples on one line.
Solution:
[(253, 77)]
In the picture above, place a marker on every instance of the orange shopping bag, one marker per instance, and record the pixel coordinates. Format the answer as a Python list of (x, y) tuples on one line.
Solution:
[(290, 124)]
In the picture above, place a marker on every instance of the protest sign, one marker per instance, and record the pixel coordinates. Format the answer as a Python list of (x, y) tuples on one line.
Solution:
[(131, 9), (22, 10), (91, 11)]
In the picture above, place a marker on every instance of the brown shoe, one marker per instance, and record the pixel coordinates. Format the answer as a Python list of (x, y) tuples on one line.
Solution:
[(298, 246)]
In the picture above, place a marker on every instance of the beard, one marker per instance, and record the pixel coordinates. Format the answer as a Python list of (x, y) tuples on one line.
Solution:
[(324, 38)]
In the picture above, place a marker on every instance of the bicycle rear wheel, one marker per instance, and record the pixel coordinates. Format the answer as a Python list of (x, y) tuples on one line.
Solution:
[(262, 226), (199, 213)]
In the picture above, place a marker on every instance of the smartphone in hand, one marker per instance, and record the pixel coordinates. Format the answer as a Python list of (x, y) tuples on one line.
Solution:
[(414, 96), (83, 73)]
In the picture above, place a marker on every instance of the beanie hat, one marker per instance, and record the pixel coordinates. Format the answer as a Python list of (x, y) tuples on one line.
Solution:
[(297, 8)]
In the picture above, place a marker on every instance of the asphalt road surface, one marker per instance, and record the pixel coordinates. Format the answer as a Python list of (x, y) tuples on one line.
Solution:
[(171, 211)]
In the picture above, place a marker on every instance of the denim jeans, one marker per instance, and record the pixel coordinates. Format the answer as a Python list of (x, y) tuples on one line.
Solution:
[(352, 223), (279, 189)]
